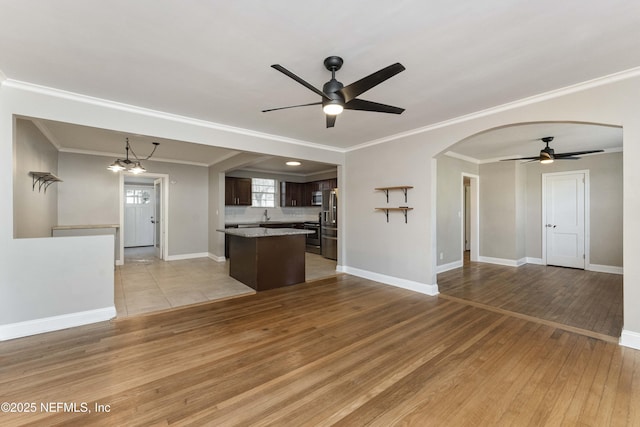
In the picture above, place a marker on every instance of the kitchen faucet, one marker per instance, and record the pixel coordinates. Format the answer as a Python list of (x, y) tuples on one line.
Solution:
[(266, 217)]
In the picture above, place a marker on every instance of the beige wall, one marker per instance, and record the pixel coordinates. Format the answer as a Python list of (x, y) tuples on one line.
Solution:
[(91, 195), (34, 211), (498, 210)]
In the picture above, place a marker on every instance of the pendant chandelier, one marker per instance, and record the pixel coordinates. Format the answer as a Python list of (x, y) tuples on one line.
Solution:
[(133, 166)]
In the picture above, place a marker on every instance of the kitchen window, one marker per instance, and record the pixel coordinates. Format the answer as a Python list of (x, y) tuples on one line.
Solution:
[(263, 193)]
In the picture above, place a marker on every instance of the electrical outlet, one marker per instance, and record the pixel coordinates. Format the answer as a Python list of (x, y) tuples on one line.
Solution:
[(441, 255)]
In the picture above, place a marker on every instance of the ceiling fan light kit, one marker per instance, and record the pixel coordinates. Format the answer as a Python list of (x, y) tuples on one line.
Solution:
[(548, 155), (133, 166), (336, 97)]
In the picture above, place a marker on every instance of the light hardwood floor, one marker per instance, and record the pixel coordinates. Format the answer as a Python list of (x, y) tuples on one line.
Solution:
[(576, 298), (340, 351)]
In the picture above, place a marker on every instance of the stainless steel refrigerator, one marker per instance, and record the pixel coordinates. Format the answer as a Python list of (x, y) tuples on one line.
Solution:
[(329, 224)]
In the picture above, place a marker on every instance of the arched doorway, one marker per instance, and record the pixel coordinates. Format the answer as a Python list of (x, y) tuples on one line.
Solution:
[(512, 219)]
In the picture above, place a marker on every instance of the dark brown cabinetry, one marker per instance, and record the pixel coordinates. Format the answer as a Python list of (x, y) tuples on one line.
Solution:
[(297, 194), (294, 194), (237, 191), (327, 184)]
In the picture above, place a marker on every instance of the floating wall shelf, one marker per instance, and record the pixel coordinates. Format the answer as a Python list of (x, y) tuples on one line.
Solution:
[(403, 209), (386, 211), (386, 190), (43, 179)]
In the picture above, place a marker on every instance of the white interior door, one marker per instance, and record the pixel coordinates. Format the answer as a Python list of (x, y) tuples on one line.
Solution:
[(564, 219), (157, 217), (138, 216)]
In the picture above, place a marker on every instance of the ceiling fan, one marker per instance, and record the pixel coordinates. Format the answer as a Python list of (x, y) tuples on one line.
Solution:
[(547, 155), (336, 97)]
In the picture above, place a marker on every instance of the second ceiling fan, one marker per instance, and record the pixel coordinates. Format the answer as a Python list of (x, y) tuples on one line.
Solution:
[(336, 97), (548, 155)]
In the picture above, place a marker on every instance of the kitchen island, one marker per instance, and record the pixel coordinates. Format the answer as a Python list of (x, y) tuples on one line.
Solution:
[(267, 258)]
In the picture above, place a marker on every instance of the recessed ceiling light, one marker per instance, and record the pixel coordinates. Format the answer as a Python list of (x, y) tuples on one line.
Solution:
[(293, 163)]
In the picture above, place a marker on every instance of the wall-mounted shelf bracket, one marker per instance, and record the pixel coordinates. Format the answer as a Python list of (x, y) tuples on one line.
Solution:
[(402, 188), (402, 209), (43, 179)]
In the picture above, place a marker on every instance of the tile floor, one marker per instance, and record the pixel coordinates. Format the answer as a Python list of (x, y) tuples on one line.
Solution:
[(146, 284)]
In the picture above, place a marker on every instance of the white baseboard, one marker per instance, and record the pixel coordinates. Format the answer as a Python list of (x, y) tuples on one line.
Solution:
[(422, 288), (450, 266), (630, 339), (605, 268), (186, 256), (503, 261), (537, 261), (216, 257), (55, 323)]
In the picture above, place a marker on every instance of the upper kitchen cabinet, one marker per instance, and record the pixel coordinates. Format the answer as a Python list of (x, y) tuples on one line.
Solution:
[(294, 194), (237, 191), (327, 184)]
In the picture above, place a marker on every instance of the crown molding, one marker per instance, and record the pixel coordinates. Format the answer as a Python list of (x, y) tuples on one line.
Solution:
[(57, 93), (458, 156), (301, 175), (475, 161), (46, 132), (600, 81), (223, 158), (120, 155), (556, 93)]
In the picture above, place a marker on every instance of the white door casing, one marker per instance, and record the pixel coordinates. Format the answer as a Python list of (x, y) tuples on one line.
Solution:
[(564, 227), (474, 216), (164, 214), (158, 217)]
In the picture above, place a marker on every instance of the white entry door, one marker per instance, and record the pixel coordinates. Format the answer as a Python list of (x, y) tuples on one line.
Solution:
[(564, 219), (138, 214), (157, 217)]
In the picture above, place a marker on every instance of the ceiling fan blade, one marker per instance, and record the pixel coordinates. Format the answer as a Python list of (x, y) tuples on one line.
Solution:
[(576, 153), (357, 88), (522, 158), (299, 80), (292, 106), (361, 104), (331, 120)]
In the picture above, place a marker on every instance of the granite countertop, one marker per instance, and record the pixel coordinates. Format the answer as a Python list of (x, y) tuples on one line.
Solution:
[(264, 232), (84, 226), (259, 223)]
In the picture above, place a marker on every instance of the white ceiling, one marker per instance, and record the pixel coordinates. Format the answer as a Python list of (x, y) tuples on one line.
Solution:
[(211, 60)]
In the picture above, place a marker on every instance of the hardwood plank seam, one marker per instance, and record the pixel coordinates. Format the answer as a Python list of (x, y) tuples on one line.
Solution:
[(553, 324)]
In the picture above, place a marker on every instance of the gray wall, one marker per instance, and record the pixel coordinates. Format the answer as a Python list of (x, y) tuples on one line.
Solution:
[(498, 210), (511, 207), (91, 192), (92, 196), (34, 212), (605, 172), (449, 204)]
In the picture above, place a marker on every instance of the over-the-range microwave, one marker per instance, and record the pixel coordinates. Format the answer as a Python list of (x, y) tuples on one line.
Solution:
[(316, 198)]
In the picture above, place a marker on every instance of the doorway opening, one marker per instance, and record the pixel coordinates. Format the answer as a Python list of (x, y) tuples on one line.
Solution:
[(470, 218), (143, 217)]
